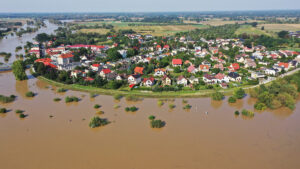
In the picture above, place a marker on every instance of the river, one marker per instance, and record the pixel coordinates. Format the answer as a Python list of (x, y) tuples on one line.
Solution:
[(10, 42), (190, 140)]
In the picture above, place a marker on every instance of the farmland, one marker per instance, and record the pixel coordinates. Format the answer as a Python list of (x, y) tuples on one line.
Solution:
[(143, 28)]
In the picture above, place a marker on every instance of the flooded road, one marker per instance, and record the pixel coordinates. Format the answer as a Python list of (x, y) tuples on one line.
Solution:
[(10, 43), (190, 139)]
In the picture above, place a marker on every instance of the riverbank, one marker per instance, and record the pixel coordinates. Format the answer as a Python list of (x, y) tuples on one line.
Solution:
[(140, 93)]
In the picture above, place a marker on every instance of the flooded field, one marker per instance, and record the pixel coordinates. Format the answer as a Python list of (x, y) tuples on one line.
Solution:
[(190, 139)]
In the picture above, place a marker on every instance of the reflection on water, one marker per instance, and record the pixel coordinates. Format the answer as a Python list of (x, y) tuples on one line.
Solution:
[(216, 104), (22, 88)]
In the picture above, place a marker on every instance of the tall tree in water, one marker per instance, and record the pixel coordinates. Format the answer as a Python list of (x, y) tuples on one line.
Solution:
[(18, 69)]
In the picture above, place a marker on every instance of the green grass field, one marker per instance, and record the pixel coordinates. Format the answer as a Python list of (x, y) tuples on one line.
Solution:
[(144, 28), (247, 29)]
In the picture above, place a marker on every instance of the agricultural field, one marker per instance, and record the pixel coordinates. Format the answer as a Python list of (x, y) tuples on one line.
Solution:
[(219, 22), (248, 29), (144, 28), (280, 27)]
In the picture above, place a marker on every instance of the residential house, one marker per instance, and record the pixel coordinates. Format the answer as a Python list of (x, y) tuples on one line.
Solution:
[(193, 80), (249, 63), (181, 80), (104, 72), (233, 76), (134, 79), (234, 67), (166, 81), (159, 72), (148, 81), (138, 70), (192, 69), (209, 79), (271, 71), (257, 75), (204, 68), (66, 58), (176, 62), (95, 67), (221, 78)]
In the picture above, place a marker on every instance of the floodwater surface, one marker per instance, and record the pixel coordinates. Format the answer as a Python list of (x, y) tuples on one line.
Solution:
[(190, 139)]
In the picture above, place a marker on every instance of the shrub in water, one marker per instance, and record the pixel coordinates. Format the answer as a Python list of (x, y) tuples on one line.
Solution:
[(7, 99), (30, 94), (172, 106), (22, 115), (97, 106), (157, 123), (237, 113), (57, 99), (19, 111), (3, 110), (187, 107), (97, 122), (61, 90), (232, 99), (151, 117)]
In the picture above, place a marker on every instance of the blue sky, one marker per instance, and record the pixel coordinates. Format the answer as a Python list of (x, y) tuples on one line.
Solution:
[(143, 5)]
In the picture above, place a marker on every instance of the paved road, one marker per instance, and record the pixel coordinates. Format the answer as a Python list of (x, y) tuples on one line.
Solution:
[(281, 76)]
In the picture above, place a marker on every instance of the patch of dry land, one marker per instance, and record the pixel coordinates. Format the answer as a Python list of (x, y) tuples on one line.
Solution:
[(280, 27), (144, 28)]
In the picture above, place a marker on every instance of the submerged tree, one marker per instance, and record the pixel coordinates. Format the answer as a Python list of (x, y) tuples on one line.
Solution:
[(18, 69)]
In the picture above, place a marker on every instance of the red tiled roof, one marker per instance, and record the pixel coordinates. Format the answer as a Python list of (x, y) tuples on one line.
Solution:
[(106, 71), (220, 76), (177, 62), (66, 55), (95, 65), (139, 70), (282, 64), (235, 66)]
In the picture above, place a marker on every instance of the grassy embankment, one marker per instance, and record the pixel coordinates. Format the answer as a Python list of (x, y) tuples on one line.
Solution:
[(142, 93)]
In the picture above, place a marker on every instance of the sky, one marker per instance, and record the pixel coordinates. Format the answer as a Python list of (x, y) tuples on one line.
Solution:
[(20, 6)]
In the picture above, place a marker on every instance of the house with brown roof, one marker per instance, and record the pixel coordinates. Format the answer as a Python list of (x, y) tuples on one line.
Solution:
[(204, 68), (181, 80), (166, 80), (159, 72)]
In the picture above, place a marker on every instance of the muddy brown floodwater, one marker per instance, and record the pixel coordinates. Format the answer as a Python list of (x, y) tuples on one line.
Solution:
[(190, 140)]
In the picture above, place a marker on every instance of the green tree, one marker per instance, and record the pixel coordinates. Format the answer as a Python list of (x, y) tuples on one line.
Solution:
[(18, 69)]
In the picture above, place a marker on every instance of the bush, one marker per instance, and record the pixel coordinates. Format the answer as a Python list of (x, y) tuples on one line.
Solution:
[(97, 106), (71, 99), (151, 117), (260, 106), (187, 107), (217, 96), (237, 113), (118, 97), (100, 112), (116, 106), (157, 123), (22, 116), (160, 103), (30, 94), (247, 113), (132, 109), (239, 93), (7, 99), (61, 90), (172, 106), (232, 99), (3, 110), (57, 99), (19, 111), (97, 122), (132, 98)]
